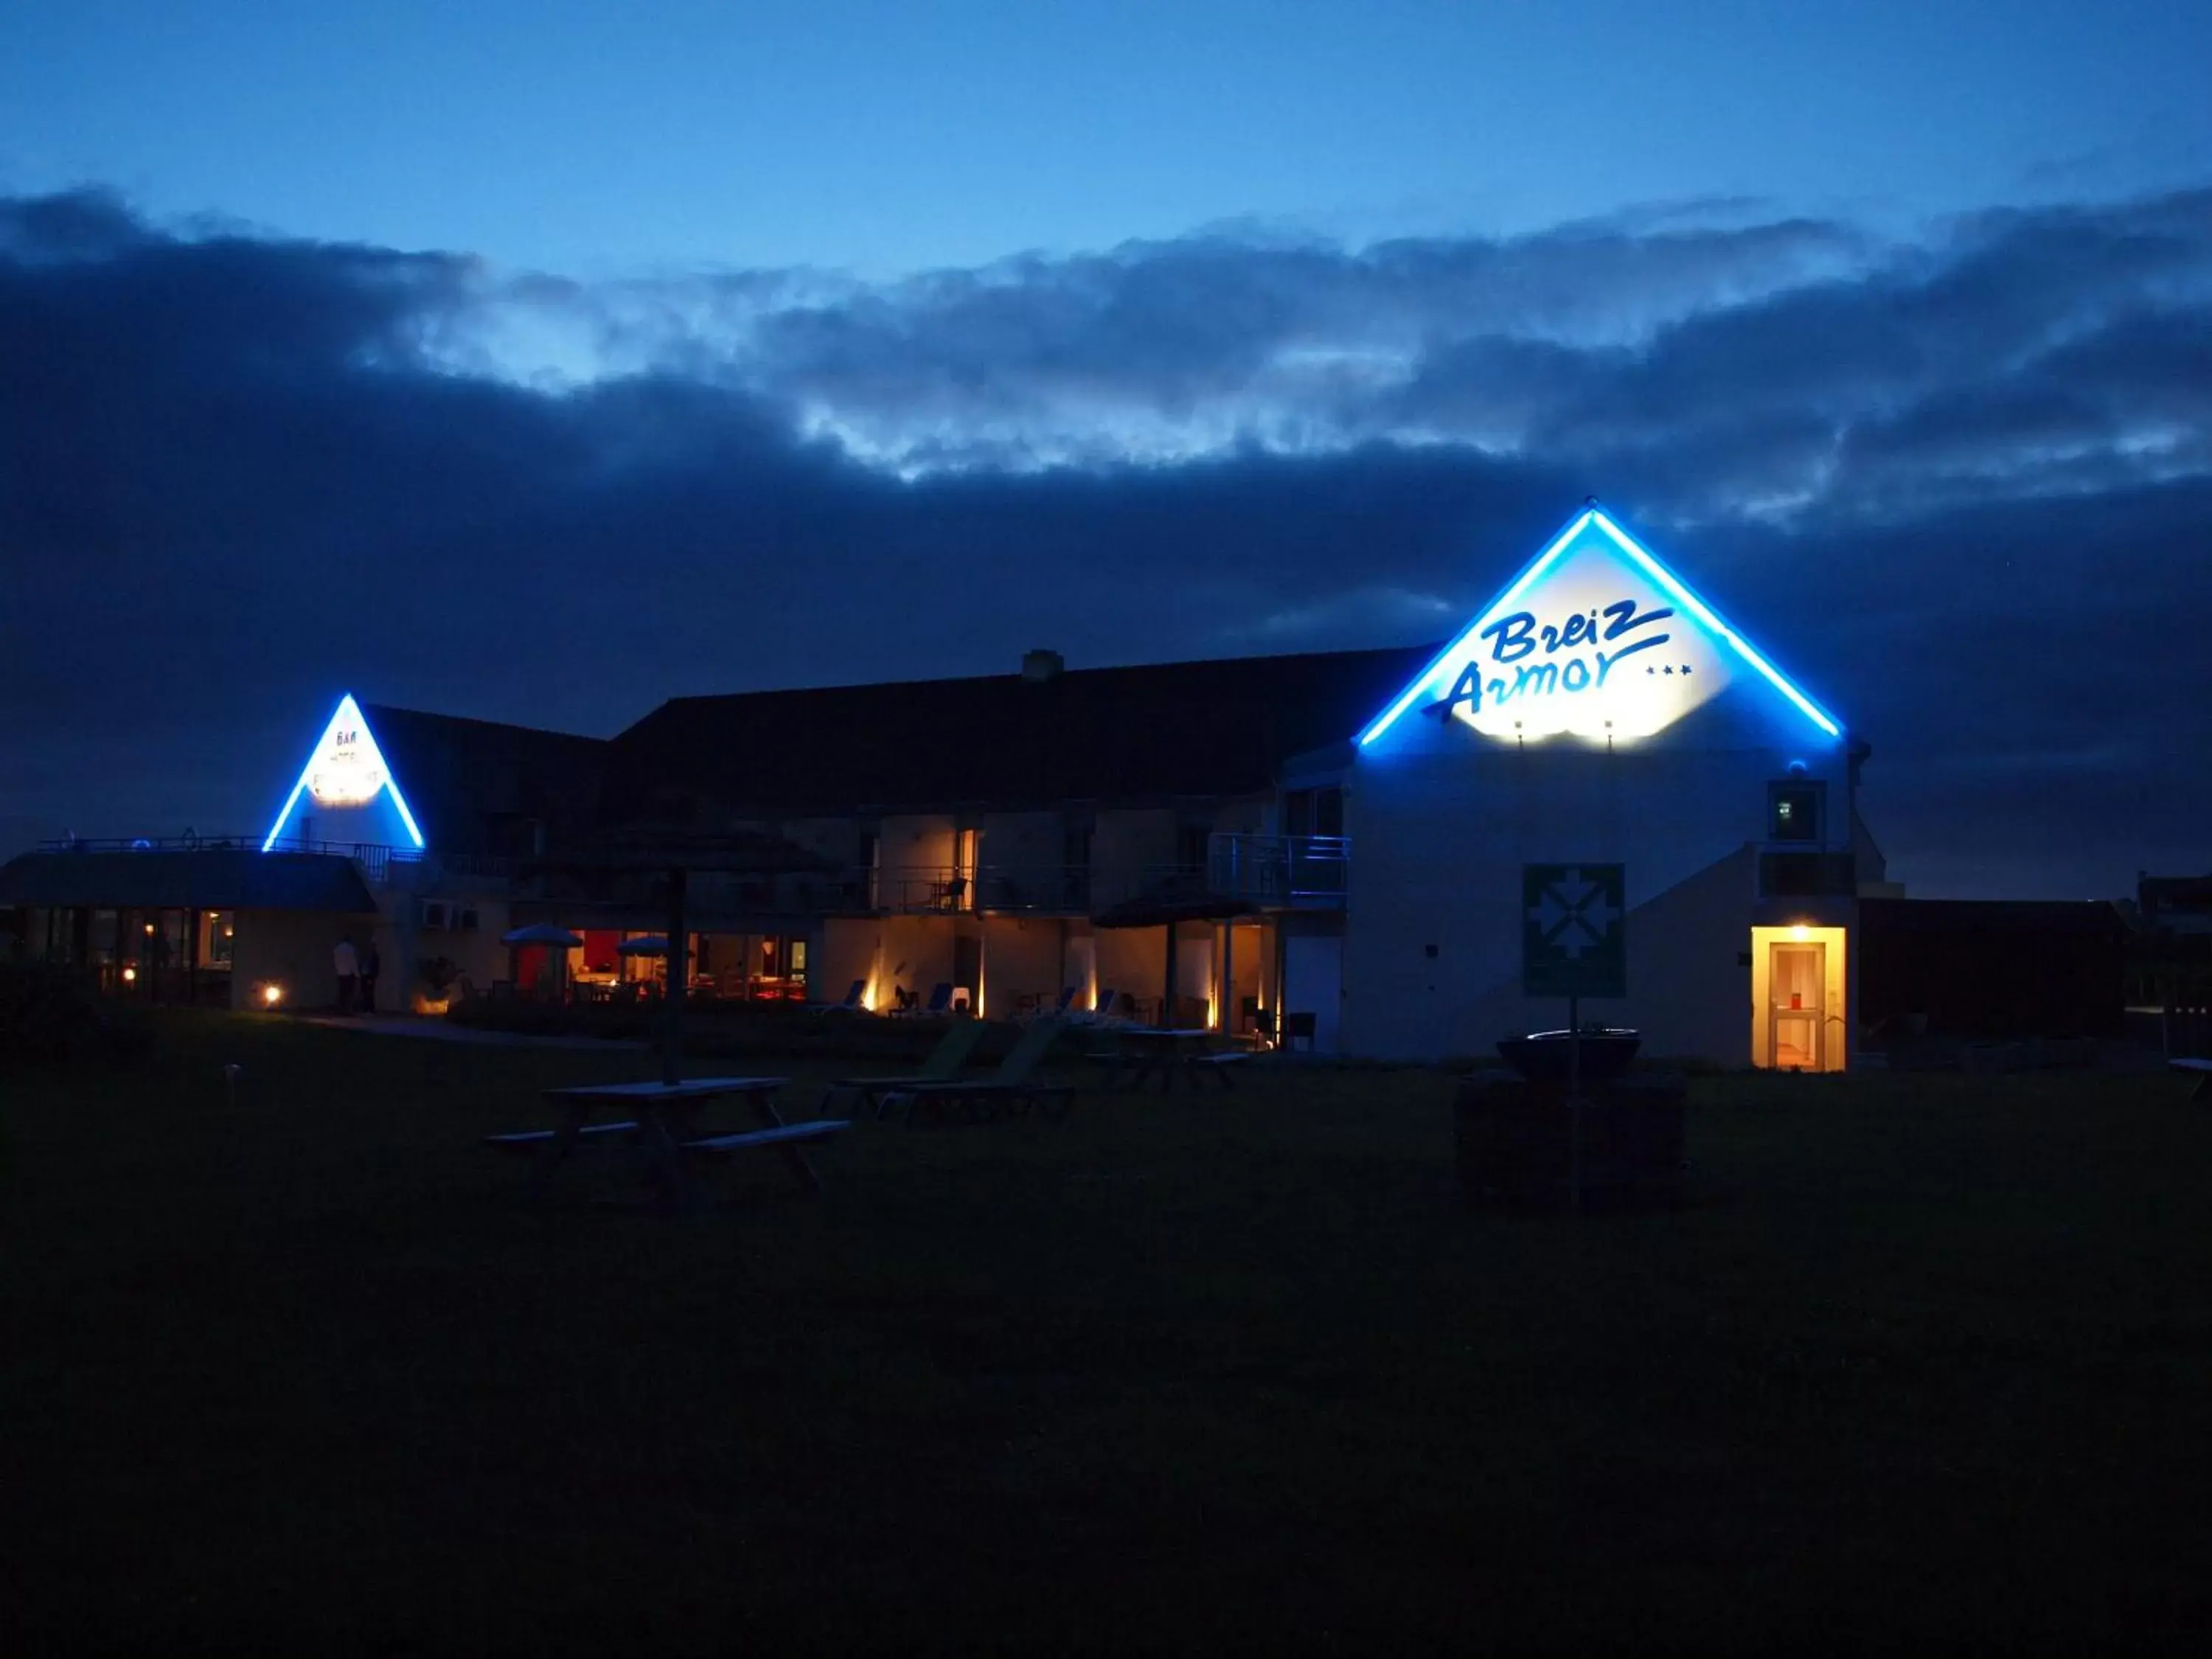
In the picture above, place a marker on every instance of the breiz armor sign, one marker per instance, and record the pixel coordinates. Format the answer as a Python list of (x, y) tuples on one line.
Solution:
[(1595, 637), (1574, 936)]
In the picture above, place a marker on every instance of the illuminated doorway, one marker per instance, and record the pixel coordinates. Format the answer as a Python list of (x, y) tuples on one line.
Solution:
[(1797, 991), (1796, 974)]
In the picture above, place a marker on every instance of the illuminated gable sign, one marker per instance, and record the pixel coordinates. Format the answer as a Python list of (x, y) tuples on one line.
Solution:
[(347, 769), (1596, 637)]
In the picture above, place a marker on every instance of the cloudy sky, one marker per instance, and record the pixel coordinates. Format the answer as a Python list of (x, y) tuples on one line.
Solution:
[(541, 366)]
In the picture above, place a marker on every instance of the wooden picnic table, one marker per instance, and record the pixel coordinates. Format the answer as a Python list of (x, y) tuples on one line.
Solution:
[(662, 1125), (1145, 1052)]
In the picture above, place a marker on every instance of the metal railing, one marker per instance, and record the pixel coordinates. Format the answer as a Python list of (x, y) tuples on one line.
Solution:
[(374, 858), (1302, 872), (1299, 871), (951, 889)]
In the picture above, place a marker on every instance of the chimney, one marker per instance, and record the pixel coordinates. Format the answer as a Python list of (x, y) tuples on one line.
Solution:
[(1038, 666)]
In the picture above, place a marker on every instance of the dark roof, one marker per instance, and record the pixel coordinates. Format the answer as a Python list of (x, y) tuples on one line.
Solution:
[(460, 775), (224, 879), (1151, 733), (2165, 896)]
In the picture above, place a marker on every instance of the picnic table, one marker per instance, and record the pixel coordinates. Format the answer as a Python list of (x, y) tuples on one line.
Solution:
[(662, 1126), (1143, 1053), (2201, 1070)]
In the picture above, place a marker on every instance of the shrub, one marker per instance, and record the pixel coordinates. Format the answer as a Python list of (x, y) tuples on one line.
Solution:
[(50, 1013)]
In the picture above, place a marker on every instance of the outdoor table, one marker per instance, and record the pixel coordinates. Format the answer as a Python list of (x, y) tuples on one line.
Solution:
[(1150, 1051), (666, 1119)]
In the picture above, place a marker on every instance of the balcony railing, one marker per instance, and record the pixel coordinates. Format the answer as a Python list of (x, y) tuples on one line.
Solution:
[(1282, 872), (375, 860), (1300, 872), (948, 889)]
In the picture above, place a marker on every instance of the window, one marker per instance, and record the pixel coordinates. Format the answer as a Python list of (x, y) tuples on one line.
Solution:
[(1793, 810), (218, 937), (1313, 812), (1328, 811), (1191, 842)]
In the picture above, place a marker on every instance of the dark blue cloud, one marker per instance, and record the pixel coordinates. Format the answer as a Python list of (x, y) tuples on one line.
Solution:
[(1960, 486)]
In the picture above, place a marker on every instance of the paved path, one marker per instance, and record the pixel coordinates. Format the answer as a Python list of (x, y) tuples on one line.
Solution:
[(440, 1030)]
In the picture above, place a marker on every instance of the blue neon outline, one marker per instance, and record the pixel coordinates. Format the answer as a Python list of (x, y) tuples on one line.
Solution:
[(1528, 574), (1680, 592), (1676, 589), (391, 783)]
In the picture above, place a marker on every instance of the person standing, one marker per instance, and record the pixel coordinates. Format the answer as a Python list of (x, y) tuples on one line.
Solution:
[(371, 964), (348, 965)]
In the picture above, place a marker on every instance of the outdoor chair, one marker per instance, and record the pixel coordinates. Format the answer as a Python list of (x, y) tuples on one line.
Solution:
[(851, 1005), (940, 1000), (944, 1062), (1101, 1009), (1297, 1029), (1011, 1088)]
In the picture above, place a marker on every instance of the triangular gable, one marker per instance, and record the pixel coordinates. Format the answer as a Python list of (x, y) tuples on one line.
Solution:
[(345, 772), (1596, 637)]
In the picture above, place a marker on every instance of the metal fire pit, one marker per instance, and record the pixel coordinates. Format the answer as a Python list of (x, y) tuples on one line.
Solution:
[(1541, 1056)]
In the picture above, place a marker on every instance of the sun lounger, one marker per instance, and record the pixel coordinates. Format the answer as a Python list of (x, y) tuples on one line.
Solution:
[(1010, 1089), (944, 1062)]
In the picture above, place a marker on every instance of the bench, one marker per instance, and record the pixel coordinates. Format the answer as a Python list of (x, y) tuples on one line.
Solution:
[(524, 1139), (2203, 1068), (663, 1127), (1218, 1066), (819, 1129), (982, 1101)]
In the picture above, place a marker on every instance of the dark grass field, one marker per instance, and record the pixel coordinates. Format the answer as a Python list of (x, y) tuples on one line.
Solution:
[(1927, 1364)]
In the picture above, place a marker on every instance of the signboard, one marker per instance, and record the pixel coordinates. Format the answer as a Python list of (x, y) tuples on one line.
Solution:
[(347, 768), (1574, 930), (1595, 645), (1596, 637)]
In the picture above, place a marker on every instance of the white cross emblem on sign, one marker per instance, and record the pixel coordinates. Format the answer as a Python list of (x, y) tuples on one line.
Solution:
[(1568, 919)]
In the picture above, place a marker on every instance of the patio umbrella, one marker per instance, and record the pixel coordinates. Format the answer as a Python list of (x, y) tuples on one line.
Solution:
[(1171, 903), (541, 933), (645, 945)]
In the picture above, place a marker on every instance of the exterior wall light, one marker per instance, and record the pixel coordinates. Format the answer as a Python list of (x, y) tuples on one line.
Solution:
[(271, 996), (129, 974)]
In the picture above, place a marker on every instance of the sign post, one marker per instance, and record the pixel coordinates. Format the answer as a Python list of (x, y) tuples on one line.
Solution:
[(1574, 944)]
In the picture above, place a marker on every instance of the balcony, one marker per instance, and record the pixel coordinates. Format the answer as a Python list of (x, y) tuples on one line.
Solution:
[(947, 889), (1297, 873)]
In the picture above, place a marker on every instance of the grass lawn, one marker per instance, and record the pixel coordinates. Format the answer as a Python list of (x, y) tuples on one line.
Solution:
[(1928, 1361)]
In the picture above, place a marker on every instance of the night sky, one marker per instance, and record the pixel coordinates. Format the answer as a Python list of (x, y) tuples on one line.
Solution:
[(543, 362)]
